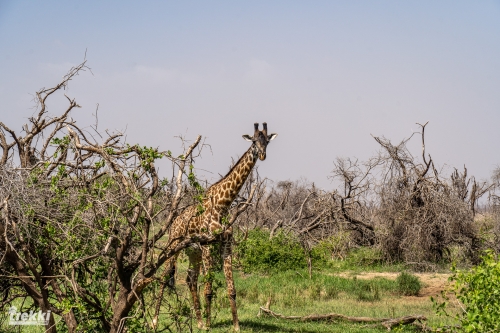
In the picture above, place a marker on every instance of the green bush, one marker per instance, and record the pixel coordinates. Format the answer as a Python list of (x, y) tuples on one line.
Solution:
[(478, 290), (408, 284), (332, 248), (368, 294), (366, 291), (258, 253), (360, 259)]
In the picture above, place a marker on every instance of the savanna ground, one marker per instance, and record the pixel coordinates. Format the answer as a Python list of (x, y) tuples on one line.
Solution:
[(344, 288)]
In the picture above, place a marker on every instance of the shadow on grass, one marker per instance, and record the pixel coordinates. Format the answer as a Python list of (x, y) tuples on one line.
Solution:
[(259, 326)]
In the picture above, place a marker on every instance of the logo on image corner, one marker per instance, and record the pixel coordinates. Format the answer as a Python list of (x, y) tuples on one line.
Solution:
[(28, 318)]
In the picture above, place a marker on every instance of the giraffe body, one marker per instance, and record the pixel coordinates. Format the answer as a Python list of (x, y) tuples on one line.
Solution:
[(216, 203)]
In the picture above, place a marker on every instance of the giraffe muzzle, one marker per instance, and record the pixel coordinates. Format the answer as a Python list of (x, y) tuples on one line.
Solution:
[(262, 156)]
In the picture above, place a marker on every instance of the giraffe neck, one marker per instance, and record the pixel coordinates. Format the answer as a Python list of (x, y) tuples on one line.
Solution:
[(223, 193)]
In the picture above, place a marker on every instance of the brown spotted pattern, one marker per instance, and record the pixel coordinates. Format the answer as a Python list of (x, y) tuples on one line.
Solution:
[(218, 199)]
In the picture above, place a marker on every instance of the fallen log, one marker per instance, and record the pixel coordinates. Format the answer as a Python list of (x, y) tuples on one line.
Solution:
[(385, 322)]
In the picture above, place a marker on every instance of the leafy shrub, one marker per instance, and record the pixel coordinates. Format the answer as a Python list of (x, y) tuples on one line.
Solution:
[(408, 284), (258, 253), (333, 247), (367, 291), (365, 257), (479, 292)]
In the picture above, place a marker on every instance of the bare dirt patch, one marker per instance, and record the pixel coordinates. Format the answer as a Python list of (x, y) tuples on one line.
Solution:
[(433, 283)]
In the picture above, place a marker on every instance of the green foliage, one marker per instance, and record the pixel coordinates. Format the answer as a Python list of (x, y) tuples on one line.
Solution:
[(200, 191), (408, 284), (100, 164), (478, 290), (147, 155), (360, 259), (365, 257), (60, 142), (258, 253), (68, 223), (333, 247), (366, 291)]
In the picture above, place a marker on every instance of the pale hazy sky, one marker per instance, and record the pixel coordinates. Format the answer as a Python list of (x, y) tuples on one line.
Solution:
[(323, 74)]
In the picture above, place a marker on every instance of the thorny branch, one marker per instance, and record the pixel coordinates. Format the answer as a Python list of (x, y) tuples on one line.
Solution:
[(84, 212)]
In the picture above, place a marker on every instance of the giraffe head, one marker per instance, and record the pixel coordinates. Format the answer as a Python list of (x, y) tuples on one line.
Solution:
[(260, 140)]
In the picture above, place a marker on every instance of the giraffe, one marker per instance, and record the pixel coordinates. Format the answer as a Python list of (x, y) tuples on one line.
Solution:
[(216, 204)]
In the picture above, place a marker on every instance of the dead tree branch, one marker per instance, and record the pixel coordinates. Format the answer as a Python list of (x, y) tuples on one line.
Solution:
[(388, 323)]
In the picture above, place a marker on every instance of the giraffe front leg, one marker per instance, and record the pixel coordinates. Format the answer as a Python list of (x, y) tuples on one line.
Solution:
[(195, 256), (207, 268), (231, 290)]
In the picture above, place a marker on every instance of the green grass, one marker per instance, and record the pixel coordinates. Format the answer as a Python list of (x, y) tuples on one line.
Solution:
[(299, 290), (293, 293), (408, 284)]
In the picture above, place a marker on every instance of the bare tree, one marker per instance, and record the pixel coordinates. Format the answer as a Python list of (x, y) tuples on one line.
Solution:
[(421, 213), (494, 209), (353, 199)]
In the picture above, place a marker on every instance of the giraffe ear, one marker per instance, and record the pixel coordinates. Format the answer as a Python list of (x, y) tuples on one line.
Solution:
[(248, 137), (272, 136)]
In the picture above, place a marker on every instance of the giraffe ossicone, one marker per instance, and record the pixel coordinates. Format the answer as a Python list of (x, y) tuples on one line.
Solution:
[(216, 204)]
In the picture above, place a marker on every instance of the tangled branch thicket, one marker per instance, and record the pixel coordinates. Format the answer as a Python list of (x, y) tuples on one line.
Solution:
[(421, 213), (84, 223)]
